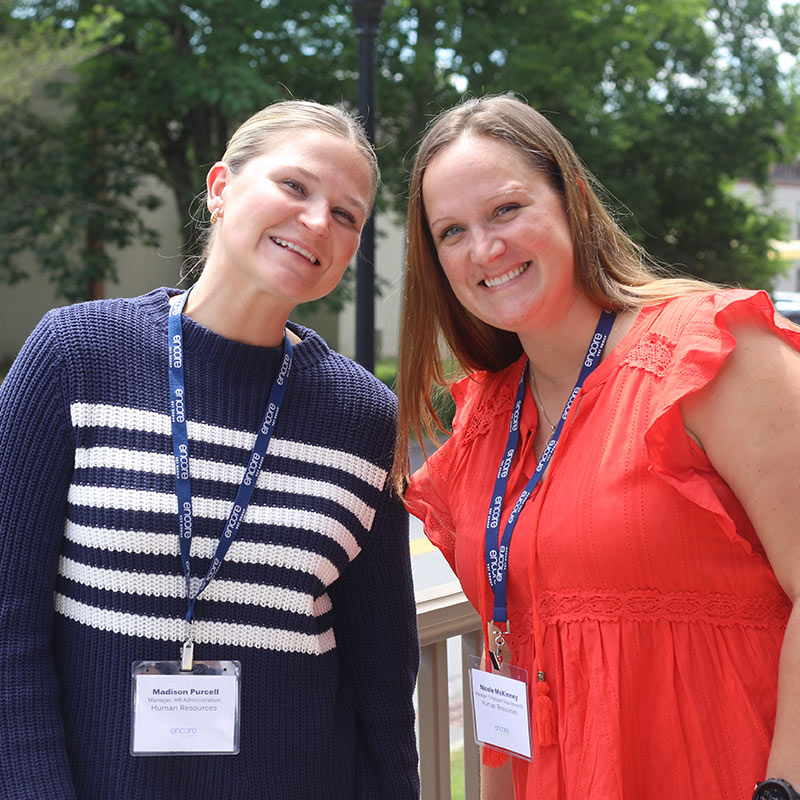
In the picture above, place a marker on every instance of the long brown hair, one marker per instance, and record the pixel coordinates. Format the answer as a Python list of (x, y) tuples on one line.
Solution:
[(613, 270)]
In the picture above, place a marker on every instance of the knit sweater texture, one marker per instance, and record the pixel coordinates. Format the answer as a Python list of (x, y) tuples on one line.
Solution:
[(314, 597)]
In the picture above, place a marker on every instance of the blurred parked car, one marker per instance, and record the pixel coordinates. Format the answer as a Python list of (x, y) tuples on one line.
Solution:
[(788, 303)]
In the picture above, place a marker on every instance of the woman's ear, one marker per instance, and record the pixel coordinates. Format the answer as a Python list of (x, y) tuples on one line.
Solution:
[(216, 181)]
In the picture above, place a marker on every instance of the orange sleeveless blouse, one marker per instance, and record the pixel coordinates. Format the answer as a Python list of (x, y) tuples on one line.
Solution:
[(660, 618)]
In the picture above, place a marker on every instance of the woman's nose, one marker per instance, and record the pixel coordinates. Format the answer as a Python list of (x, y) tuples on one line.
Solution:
[(486, 247), (315, 217)]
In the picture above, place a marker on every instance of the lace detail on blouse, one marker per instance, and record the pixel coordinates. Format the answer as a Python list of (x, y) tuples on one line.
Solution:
[(483, 417), (651, 605), (652, 353)]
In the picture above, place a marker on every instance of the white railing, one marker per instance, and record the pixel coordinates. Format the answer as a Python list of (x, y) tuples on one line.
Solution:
[(443, 613)]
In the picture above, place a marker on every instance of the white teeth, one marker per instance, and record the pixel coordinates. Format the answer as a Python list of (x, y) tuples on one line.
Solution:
[(499, 281), (296, 248)]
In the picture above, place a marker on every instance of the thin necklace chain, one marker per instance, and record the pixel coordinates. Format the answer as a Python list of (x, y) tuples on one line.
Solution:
[(539, 402)]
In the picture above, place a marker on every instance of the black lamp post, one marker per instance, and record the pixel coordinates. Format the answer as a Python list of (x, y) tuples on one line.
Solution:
[(367, 14)]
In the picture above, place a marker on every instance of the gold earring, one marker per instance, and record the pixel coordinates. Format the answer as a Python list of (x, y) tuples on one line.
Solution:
[(215, 215)]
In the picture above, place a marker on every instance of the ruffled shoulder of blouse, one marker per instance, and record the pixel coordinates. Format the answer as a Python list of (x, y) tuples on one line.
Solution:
[(685, 348)]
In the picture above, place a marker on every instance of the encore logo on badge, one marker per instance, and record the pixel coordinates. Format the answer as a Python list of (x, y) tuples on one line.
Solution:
[(269, 418), (183, 731), (497, 563), (506, 465), (252, 469), (182, 460), (284, 373), (186, 520)]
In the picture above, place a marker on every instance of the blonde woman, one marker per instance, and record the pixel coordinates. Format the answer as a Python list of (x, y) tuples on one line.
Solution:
[(206, 582)]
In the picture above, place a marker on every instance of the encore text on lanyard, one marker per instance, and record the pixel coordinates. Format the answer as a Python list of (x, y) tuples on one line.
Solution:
[(497, 554), (180, 443)]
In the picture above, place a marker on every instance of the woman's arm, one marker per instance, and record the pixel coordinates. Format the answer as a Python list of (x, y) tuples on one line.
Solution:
[(748, 422), (376, 635), (497, 783), (36, 456)]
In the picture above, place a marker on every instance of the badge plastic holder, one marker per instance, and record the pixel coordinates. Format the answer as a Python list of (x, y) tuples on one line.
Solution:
[(500, 710), (185, 712)]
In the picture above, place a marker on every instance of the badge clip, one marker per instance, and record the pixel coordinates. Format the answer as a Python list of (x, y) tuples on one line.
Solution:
[(187, 656), (496, 635)]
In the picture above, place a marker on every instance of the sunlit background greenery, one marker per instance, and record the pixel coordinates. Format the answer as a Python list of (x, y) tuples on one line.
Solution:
[(669, 102)]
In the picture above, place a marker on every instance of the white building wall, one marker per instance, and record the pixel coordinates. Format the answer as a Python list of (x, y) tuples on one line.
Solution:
[(139, 269), (390, 249), (785, 198)]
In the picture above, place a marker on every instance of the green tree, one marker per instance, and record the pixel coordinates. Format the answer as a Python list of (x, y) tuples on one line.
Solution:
[(668, 102), (160, 99), (62, 201), (33, 51)]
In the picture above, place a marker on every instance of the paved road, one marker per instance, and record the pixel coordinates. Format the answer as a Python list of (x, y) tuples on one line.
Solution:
[(428, 565)]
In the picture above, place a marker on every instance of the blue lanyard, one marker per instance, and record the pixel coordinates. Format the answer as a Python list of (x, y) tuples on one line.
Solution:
[(497, 557), (180, 444)]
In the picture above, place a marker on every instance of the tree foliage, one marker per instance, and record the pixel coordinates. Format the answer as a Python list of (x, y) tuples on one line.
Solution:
[(34, 51), (70, 187), (667, 102)]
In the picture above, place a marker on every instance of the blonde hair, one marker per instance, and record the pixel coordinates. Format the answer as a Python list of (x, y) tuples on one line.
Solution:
[(613, 271), (273, 124)]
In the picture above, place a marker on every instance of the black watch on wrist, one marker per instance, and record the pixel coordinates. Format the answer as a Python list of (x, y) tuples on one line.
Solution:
[(775, 789)]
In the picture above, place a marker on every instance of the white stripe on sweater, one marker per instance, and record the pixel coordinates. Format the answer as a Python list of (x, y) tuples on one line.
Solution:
[(276, 555), (103, 415), (206, 507), (204, 631), (219, 590), (204, 469)]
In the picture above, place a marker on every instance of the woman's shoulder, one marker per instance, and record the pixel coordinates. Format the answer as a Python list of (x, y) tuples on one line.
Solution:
[(700, 322), (108, 334), (118, 312), (339, 381), (76, 347), (83, 327), (688, 339), (704, 307)]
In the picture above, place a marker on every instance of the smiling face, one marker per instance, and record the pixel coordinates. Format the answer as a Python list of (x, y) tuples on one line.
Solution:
[(501, 234), (290, 221)]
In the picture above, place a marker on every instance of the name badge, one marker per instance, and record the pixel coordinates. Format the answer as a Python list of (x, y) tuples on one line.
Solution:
[(185, 713), (500, 708)]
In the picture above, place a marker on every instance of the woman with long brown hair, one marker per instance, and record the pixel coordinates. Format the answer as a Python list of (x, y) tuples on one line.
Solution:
[(619, 494)]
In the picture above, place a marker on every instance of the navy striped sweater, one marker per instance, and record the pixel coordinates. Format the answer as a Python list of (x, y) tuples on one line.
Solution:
[(314, 598)]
